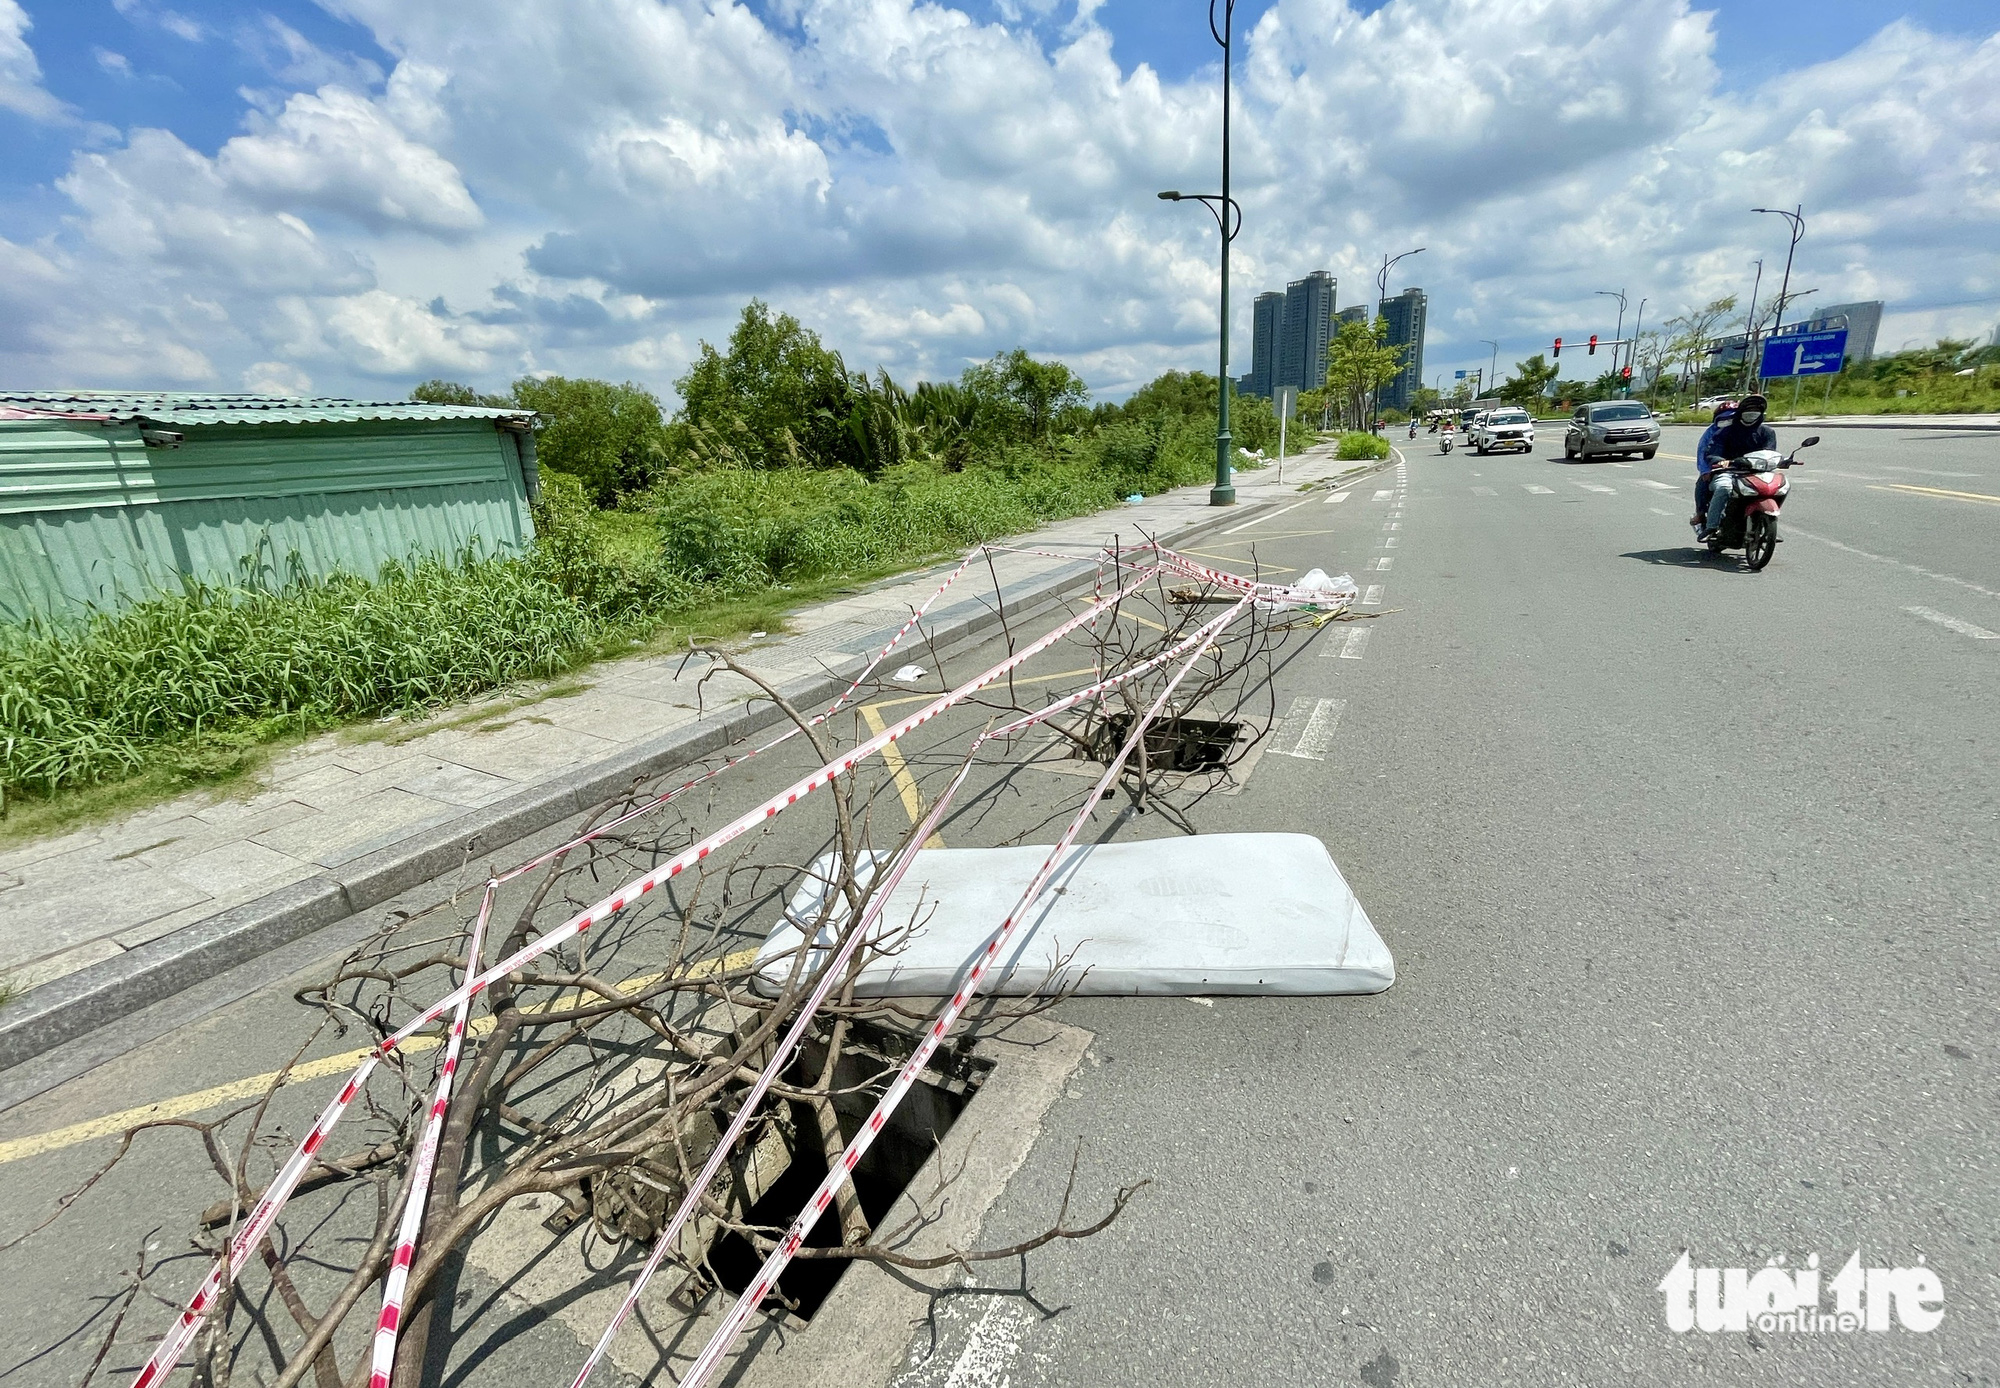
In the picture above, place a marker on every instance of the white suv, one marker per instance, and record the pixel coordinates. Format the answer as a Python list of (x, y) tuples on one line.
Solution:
[(1506, 427)]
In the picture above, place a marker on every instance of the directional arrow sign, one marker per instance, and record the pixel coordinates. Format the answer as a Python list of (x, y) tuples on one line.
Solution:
[(1804, 354)]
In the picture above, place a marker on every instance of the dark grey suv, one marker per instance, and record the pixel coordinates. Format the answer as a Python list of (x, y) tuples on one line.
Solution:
[(1608, 428)]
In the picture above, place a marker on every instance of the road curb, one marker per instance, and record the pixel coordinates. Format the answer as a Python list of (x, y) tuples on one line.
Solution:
[(76, 1004)]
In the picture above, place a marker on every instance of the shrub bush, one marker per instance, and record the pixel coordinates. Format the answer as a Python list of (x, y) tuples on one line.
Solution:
[(1356, 444)]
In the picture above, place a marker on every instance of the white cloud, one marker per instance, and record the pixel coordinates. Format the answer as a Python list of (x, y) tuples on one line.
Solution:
[(276, 378), (173, 21), (339, 151), (21, 89), (928, 188)]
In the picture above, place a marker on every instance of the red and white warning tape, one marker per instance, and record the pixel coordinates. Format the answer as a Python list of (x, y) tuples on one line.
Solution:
[(831, 972), (787, 735), (767, 1276), (258, 1223), (382, 1354)]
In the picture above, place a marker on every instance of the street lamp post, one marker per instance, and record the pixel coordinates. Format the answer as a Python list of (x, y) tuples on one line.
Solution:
[(1382, 295), (1797, 218), (1750, 327), (1228, 221), (1632, 357), (1619, 332), (1496, 358)]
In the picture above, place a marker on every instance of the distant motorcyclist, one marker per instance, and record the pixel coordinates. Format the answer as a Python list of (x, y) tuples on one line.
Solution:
[(1704, 462), (1745, 434), (1413, 428)]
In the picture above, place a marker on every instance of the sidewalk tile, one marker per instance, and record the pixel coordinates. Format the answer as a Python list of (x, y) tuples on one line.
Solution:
[(232, 869), (346, 832)]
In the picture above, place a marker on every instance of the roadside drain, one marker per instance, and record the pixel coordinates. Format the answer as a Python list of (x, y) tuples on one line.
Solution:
[(870, 1057)]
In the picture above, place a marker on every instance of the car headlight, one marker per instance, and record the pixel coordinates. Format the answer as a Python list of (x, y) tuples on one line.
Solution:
[(1596, 431)]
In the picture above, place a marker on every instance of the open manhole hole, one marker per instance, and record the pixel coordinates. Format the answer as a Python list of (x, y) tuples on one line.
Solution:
[(1172, 744), (784, 1161)]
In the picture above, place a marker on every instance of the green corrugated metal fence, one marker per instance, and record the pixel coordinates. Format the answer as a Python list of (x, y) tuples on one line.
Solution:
[(90, 517)]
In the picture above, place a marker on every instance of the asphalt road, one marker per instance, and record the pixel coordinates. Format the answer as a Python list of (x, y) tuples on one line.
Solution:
[(1690, 877)]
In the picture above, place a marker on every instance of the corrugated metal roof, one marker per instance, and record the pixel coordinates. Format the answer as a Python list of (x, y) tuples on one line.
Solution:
[(177, 407)]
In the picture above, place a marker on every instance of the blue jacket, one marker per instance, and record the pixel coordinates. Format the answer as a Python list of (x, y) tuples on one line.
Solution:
[(1701, 459)]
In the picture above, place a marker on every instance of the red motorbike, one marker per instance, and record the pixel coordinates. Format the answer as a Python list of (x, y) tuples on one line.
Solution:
[(1755, 486)]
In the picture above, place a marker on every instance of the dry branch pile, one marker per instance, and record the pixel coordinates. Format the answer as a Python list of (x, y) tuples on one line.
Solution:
[(604, 1073)]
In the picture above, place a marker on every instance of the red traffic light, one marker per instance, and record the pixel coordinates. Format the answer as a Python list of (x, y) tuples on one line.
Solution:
[(1593, 344), (1559, 347), (1627, 373)]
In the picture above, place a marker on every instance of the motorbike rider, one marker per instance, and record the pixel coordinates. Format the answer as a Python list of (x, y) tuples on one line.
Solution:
[(1745, 434), (1704, 462)]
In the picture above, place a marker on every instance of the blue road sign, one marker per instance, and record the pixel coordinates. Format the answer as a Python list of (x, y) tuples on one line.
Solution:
[(1804, 354), (1460, 375)]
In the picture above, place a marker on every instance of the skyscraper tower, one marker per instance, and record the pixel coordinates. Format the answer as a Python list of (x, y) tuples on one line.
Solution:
[(1307, 328), (1267, 323), (1405, 316)]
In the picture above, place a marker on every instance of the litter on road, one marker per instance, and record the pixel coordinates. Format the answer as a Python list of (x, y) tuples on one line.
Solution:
[(1247, 914)]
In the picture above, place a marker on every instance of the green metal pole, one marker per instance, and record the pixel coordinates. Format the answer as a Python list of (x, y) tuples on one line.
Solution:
[(1224, 492)]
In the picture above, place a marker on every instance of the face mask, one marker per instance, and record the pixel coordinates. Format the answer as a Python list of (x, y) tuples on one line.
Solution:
[(1752, 417)]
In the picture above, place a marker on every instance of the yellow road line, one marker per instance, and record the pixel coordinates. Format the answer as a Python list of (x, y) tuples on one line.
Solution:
[(926, 698), (906, 784), (1980, 497), (201, 1100)]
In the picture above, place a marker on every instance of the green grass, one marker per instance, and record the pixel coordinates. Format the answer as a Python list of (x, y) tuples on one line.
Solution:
[(201, 687), (1357, 444)]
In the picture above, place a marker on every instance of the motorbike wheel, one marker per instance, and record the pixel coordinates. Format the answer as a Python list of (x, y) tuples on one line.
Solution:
[(1760, 542)]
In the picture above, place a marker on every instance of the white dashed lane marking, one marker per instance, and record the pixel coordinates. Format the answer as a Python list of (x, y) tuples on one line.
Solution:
[(1951, 623), (1656, 486), (1385, 494), (1372, 595), (1538, 491), (1350, 647), (1309, 727), (1381, 564), (1336, 497), (1484, 491), (1594, 487)]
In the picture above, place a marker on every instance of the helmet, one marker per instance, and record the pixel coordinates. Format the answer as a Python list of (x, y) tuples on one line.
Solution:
[(1722, 412), (1753, 402)]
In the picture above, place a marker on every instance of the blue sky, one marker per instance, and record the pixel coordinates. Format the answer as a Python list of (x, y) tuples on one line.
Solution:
[(349, 194)]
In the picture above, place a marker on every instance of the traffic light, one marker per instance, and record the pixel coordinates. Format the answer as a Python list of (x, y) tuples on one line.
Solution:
[(1593, 344), (1626, 375), (1559, 347)]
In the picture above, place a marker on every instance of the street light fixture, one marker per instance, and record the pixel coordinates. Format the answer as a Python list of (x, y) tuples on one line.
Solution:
[(1496, 359), (1618, 333), (1382, 292), (1632, 358), (1228, 221)]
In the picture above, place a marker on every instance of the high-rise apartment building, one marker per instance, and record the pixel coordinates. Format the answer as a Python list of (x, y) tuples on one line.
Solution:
[(1405, 317), (1354, 313), (1307, 328), (1267, 323)]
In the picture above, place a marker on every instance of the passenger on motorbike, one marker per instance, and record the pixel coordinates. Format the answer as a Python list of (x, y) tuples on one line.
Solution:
[(1704, 461), (1745, 434)]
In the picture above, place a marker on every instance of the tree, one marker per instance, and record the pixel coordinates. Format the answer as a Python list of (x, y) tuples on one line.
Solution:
[(440, 392), (1530, 381), (1029, 395), (777, 396), (609, 437), (1360, 361), (1691, 332)]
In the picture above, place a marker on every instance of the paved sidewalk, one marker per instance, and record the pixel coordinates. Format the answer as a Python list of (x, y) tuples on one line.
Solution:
[(78, 899)]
